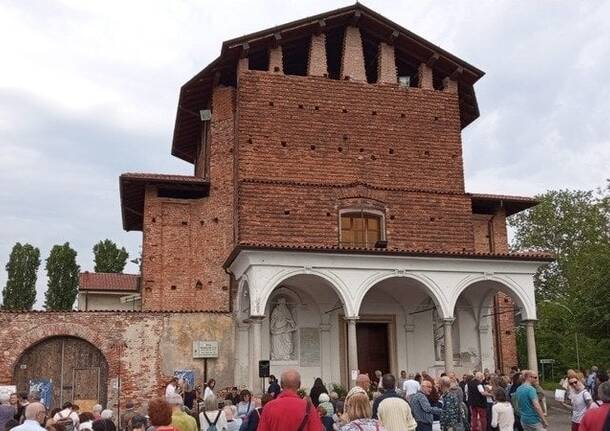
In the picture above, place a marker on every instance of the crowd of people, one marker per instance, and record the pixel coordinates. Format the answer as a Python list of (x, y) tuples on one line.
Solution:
[(481, 401)]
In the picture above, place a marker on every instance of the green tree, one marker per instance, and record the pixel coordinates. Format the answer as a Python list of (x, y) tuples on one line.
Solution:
[(572, 293), (62, 273), (108, 257), (19, 293)]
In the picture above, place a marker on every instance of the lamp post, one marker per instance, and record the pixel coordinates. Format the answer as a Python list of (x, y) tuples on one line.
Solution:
[(565, 307)]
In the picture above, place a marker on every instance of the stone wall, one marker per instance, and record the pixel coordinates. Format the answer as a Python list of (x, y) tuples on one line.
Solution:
[(142, 349)]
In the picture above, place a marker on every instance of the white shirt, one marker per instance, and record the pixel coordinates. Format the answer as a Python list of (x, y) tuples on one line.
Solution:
[(579, 404), (65, 414), (29, 425), (207, 392), (410, 387), (502, 416), (220, 425), (170, 390)]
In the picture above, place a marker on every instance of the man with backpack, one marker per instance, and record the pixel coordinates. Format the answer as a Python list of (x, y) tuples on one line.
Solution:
[(67, 418), (288, 412)]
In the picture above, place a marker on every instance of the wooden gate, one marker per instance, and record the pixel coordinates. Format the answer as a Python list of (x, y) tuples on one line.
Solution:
[(77, 370)]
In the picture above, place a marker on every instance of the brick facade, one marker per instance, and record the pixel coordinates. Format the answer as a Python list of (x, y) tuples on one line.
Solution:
[(186, 241), (142, 349)]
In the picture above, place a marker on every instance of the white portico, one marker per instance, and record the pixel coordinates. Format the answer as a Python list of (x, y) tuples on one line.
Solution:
[(347, 310)]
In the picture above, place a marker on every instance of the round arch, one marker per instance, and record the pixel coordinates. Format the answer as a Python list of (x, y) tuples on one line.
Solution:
[(427, 285), (259, 304), (495, 284), (63, 368)]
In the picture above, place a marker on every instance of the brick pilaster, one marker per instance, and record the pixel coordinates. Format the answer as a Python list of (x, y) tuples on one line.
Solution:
[(317, 65), (386, 64), (275, 60), (424, 74), (352, 62)]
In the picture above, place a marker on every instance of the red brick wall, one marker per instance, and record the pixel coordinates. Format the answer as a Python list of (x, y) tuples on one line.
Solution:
[(488, 238), (480, 226), (506, 341), (413, 220), (371, 142), (295, 129), (142, 349), (186, 241)]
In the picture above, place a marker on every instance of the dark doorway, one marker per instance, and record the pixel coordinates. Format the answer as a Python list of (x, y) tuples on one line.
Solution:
[(373, 347), (74, 369)]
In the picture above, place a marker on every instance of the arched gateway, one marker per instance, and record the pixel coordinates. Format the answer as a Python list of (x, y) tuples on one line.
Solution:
[(73, 369)]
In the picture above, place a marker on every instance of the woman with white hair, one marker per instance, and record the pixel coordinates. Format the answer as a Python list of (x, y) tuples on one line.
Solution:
[(97, 411), (211, 415)]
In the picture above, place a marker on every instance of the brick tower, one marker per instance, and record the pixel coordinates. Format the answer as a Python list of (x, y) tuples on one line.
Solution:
[(327, 161)]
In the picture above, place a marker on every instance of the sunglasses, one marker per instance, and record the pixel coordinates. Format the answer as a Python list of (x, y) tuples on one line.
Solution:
[(574, 382)]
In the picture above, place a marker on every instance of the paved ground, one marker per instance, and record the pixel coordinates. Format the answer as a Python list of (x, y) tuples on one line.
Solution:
[(558, 416)]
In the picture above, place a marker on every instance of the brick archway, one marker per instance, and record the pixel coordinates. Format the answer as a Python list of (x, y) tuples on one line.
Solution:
[(37, 335)]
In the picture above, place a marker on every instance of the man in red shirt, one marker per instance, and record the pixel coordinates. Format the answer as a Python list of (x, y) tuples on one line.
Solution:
[(288, 412), (595, 419)]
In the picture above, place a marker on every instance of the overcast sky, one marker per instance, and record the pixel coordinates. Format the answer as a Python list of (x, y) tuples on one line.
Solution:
[(88, 90)]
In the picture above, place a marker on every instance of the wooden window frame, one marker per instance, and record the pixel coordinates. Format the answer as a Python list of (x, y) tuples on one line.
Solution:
[(362, 211)]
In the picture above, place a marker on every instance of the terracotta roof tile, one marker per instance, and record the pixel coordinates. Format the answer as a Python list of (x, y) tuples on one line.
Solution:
[(527, 256), (110, 282)]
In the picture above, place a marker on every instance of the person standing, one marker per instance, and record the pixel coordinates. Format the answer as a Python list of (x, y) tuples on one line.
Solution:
[(274, 388), (580, 400), (246, 405), (502, 415), (35, 416), (420, 407), (401, 381), (410, 386), (212, 415), (7, 412), (598, 419), (530, 412), (171, 387), (288, 411), (451, 416), (125, 423), (209, 389), (388, 383), (180, 420), (477, 400), (317, 389), (358, 412), (159, 412)]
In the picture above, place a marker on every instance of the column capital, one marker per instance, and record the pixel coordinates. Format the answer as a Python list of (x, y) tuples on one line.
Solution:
[(448, 320), (529, 322), (255, 320), (351, 318)]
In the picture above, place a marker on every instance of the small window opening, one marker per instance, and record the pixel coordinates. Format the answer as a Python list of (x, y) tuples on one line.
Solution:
[(259, 60), (407, 66), (361, 229), (295, 56), (370, 45), (334, 51)]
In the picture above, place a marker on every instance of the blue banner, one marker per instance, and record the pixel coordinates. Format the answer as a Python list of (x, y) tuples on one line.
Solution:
[(187, 376), (44, 388)]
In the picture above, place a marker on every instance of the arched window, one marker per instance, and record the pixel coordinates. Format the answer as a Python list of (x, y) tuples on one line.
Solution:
[(361, 228)]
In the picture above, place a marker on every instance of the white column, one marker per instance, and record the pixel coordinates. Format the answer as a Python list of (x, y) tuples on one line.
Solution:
[(352, 349), (255, 350), (409, 342), (532, 358), (325, 350), (242, 354), (447, 327)]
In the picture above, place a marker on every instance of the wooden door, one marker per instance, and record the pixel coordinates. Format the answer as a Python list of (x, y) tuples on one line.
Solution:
[(373, 347), (76, 369)]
